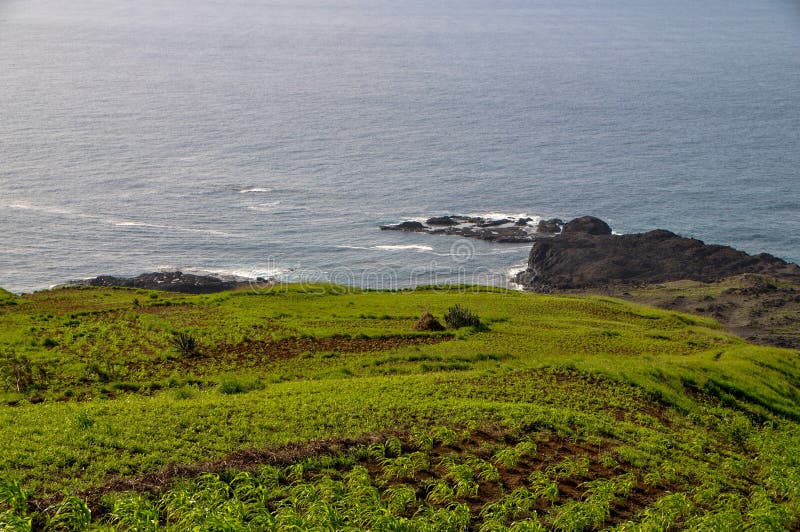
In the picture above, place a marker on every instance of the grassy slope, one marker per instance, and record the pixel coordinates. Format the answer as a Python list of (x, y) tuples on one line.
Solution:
[(668, 398)]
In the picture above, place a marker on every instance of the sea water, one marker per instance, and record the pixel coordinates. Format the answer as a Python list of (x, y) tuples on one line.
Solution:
[(263, 138)]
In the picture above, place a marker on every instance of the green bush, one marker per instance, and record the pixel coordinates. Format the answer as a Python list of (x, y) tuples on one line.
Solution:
[(185, 344), (458, 316)]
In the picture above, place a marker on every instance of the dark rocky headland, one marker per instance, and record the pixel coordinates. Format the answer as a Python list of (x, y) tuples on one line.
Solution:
[(587, 255), (754, 296)]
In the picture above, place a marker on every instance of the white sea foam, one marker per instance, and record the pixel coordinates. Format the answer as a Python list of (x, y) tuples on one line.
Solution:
[(264, 207), (255, 190), (404, 247), (137, 224), (213, 232), (24, 206), (511, 274), (397, 247), (504, 215)]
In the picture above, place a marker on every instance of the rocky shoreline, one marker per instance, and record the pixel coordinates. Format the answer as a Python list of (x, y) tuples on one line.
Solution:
[(174, 281), (754, 296)]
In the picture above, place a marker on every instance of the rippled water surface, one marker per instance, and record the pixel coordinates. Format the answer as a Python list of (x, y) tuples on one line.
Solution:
[(272, 138)]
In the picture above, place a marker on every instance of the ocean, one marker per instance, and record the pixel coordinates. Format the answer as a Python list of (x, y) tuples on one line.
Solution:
[(272, 138)]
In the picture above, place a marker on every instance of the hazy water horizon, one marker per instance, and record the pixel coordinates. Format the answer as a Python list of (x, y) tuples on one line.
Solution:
[(274, 138)]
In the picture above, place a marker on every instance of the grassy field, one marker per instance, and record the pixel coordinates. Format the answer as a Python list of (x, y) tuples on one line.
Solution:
[(320, 407)]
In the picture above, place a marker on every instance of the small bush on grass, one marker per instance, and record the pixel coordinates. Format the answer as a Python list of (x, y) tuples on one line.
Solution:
[(234, 385), (458, 316), (185, 344)]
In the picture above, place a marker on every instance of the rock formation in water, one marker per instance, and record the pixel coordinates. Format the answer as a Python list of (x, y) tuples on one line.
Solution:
[(503, 230)]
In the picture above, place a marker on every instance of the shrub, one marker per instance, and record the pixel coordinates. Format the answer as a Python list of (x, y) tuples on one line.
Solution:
[(458, 316), (49, 342), (233, 385), (185, 344)]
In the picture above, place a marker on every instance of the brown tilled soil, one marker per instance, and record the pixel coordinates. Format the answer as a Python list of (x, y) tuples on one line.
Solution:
[(255, 353)]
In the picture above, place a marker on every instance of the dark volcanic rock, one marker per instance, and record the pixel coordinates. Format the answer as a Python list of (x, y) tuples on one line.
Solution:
[(494, 230), (168, 281), (406, 226), (443, 220), (589, 225), (586, 255), (493, 223), (551, 226)]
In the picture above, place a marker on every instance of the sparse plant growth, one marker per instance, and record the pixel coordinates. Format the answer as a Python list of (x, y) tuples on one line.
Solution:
[(20, 373)]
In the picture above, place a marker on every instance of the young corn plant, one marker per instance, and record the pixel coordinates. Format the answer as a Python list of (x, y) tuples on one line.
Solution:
[(70, 514), (399, 498), (393, 447), (440, 493), (463, 479), (484, 470), (455, 517), (531, 524), (510, 506), (14, 506), (132, 511), (406, 466), (445, 436), (507, 458), (666, 512), (13, 496), (569, 468), (543, 487)]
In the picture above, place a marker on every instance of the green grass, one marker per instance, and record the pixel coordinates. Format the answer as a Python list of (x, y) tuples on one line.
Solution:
[(601, 413)]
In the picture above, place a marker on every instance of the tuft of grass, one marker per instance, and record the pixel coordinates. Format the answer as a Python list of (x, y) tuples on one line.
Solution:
[(185, 344), (458, 316)]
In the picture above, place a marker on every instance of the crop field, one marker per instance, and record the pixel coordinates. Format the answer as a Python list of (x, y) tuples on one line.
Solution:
[(297, 407)]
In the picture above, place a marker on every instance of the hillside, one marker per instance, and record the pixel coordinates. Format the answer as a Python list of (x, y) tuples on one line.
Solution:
[(321, 407)]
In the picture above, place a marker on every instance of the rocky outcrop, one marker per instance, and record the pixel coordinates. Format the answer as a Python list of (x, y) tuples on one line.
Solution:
[(168, 281), (504, 230), (587, 255), (412, 226), (588, 225), (551, 226)]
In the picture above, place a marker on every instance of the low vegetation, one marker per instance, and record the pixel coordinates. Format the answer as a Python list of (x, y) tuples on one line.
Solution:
[(319, 407)]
